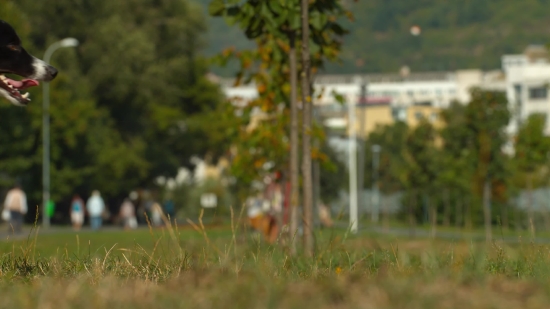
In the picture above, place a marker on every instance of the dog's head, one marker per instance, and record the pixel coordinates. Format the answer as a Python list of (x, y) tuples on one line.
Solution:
[(14, 59)]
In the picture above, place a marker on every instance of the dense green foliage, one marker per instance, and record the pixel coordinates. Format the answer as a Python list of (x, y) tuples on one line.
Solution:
[(532, 148), (447, 167), (455, 34), (128, 104)]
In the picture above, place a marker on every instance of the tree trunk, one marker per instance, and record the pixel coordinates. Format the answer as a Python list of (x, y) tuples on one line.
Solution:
[(294, 144), (412, 220), (517, 219), (487, 209), (530, 222), (447, 211), (306, 133), (504, 214), (316, 191), (468, 214), (459, 212), (546, 220), (385, 213), (433, 217)]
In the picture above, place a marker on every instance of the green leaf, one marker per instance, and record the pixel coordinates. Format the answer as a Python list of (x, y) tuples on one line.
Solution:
[(254, 28), (316, 20), (233, 11), (294, 20), (337, 29), (230, 20), (314, 47), (216, 8), (276, 7), (338, 97)]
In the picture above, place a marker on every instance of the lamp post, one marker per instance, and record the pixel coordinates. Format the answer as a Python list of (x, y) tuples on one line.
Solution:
[(67, 42), (352, 149)]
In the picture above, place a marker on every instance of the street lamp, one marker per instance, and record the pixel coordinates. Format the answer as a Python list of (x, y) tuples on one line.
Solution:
[(375, 194), (352, 148), (67, 42)]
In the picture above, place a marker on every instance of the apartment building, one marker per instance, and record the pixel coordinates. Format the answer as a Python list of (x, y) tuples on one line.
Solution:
[(383, 98), (527, 81)]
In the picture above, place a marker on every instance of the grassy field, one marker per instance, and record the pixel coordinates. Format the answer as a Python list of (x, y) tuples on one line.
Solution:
[(222, 268)]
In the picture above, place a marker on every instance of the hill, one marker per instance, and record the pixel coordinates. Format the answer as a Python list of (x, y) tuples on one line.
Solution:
[(455, 34)]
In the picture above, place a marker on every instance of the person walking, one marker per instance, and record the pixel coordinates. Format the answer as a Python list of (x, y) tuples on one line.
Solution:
[(170, 210), (77, 212), (156, 214), (95, 207), (16, 204), (128, 215)]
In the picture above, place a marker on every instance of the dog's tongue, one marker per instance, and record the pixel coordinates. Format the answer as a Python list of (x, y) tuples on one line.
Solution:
[(23, 84)]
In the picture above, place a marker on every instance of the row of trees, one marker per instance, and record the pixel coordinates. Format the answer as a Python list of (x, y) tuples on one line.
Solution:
[(465, 164), (132, 101)]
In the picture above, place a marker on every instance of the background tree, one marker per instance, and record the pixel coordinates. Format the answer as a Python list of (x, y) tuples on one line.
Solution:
[(334, 177), (457, 162), (422, 167), (129, 85), (488, 116), (531, 156), (392, 172), (392, 140), (307, 167)]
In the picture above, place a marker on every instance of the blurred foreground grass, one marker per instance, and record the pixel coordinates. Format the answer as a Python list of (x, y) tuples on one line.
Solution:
[(216, 268)]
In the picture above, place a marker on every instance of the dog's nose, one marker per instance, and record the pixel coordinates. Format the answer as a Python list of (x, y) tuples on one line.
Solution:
[(52, 71)]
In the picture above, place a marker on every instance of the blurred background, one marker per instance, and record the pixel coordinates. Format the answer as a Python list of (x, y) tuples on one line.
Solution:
[(449, 101)]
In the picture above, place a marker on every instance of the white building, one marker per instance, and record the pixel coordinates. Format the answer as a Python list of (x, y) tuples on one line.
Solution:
[(524, 78), (527, 80)]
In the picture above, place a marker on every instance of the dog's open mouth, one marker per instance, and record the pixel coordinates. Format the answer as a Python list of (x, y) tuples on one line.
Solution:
[(14, 88)]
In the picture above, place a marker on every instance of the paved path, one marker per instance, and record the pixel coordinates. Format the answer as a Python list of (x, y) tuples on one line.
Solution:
[(448, 235), (457, 235), (392, 231), (30, 231)]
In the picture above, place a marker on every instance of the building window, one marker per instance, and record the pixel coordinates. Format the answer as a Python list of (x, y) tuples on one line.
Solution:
[(418, 116), (433, 117), (538, 93), (399, 114)]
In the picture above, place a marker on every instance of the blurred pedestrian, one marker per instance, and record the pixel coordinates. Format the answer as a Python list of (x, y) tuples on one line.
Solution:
[(77, 212), (156, 214), (16, 204), (128, 214), (324, 215), (170, 209), (95, 207)]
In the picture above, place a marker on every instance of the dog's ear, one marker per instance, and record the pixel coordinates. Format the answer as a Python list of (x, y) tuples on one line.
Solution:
[(8, 34)]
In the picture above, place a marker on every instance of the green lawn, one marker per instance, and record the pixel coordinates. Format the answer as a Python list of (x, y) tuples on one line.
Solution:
[(65, 240), (216, 268)]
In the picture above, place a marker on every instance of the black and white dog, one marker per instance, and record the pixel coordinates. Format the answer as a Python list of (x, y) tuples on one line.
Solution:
[(16, 60)]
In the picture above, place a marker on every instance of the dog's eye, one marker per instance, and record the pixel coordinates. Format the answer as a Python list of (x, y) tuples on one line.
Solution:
[(16, 48)]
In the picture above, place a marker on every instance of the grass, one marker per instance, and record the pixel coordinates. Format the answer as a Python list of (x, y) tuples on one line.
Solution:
[(91, 243), (226, 267)]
